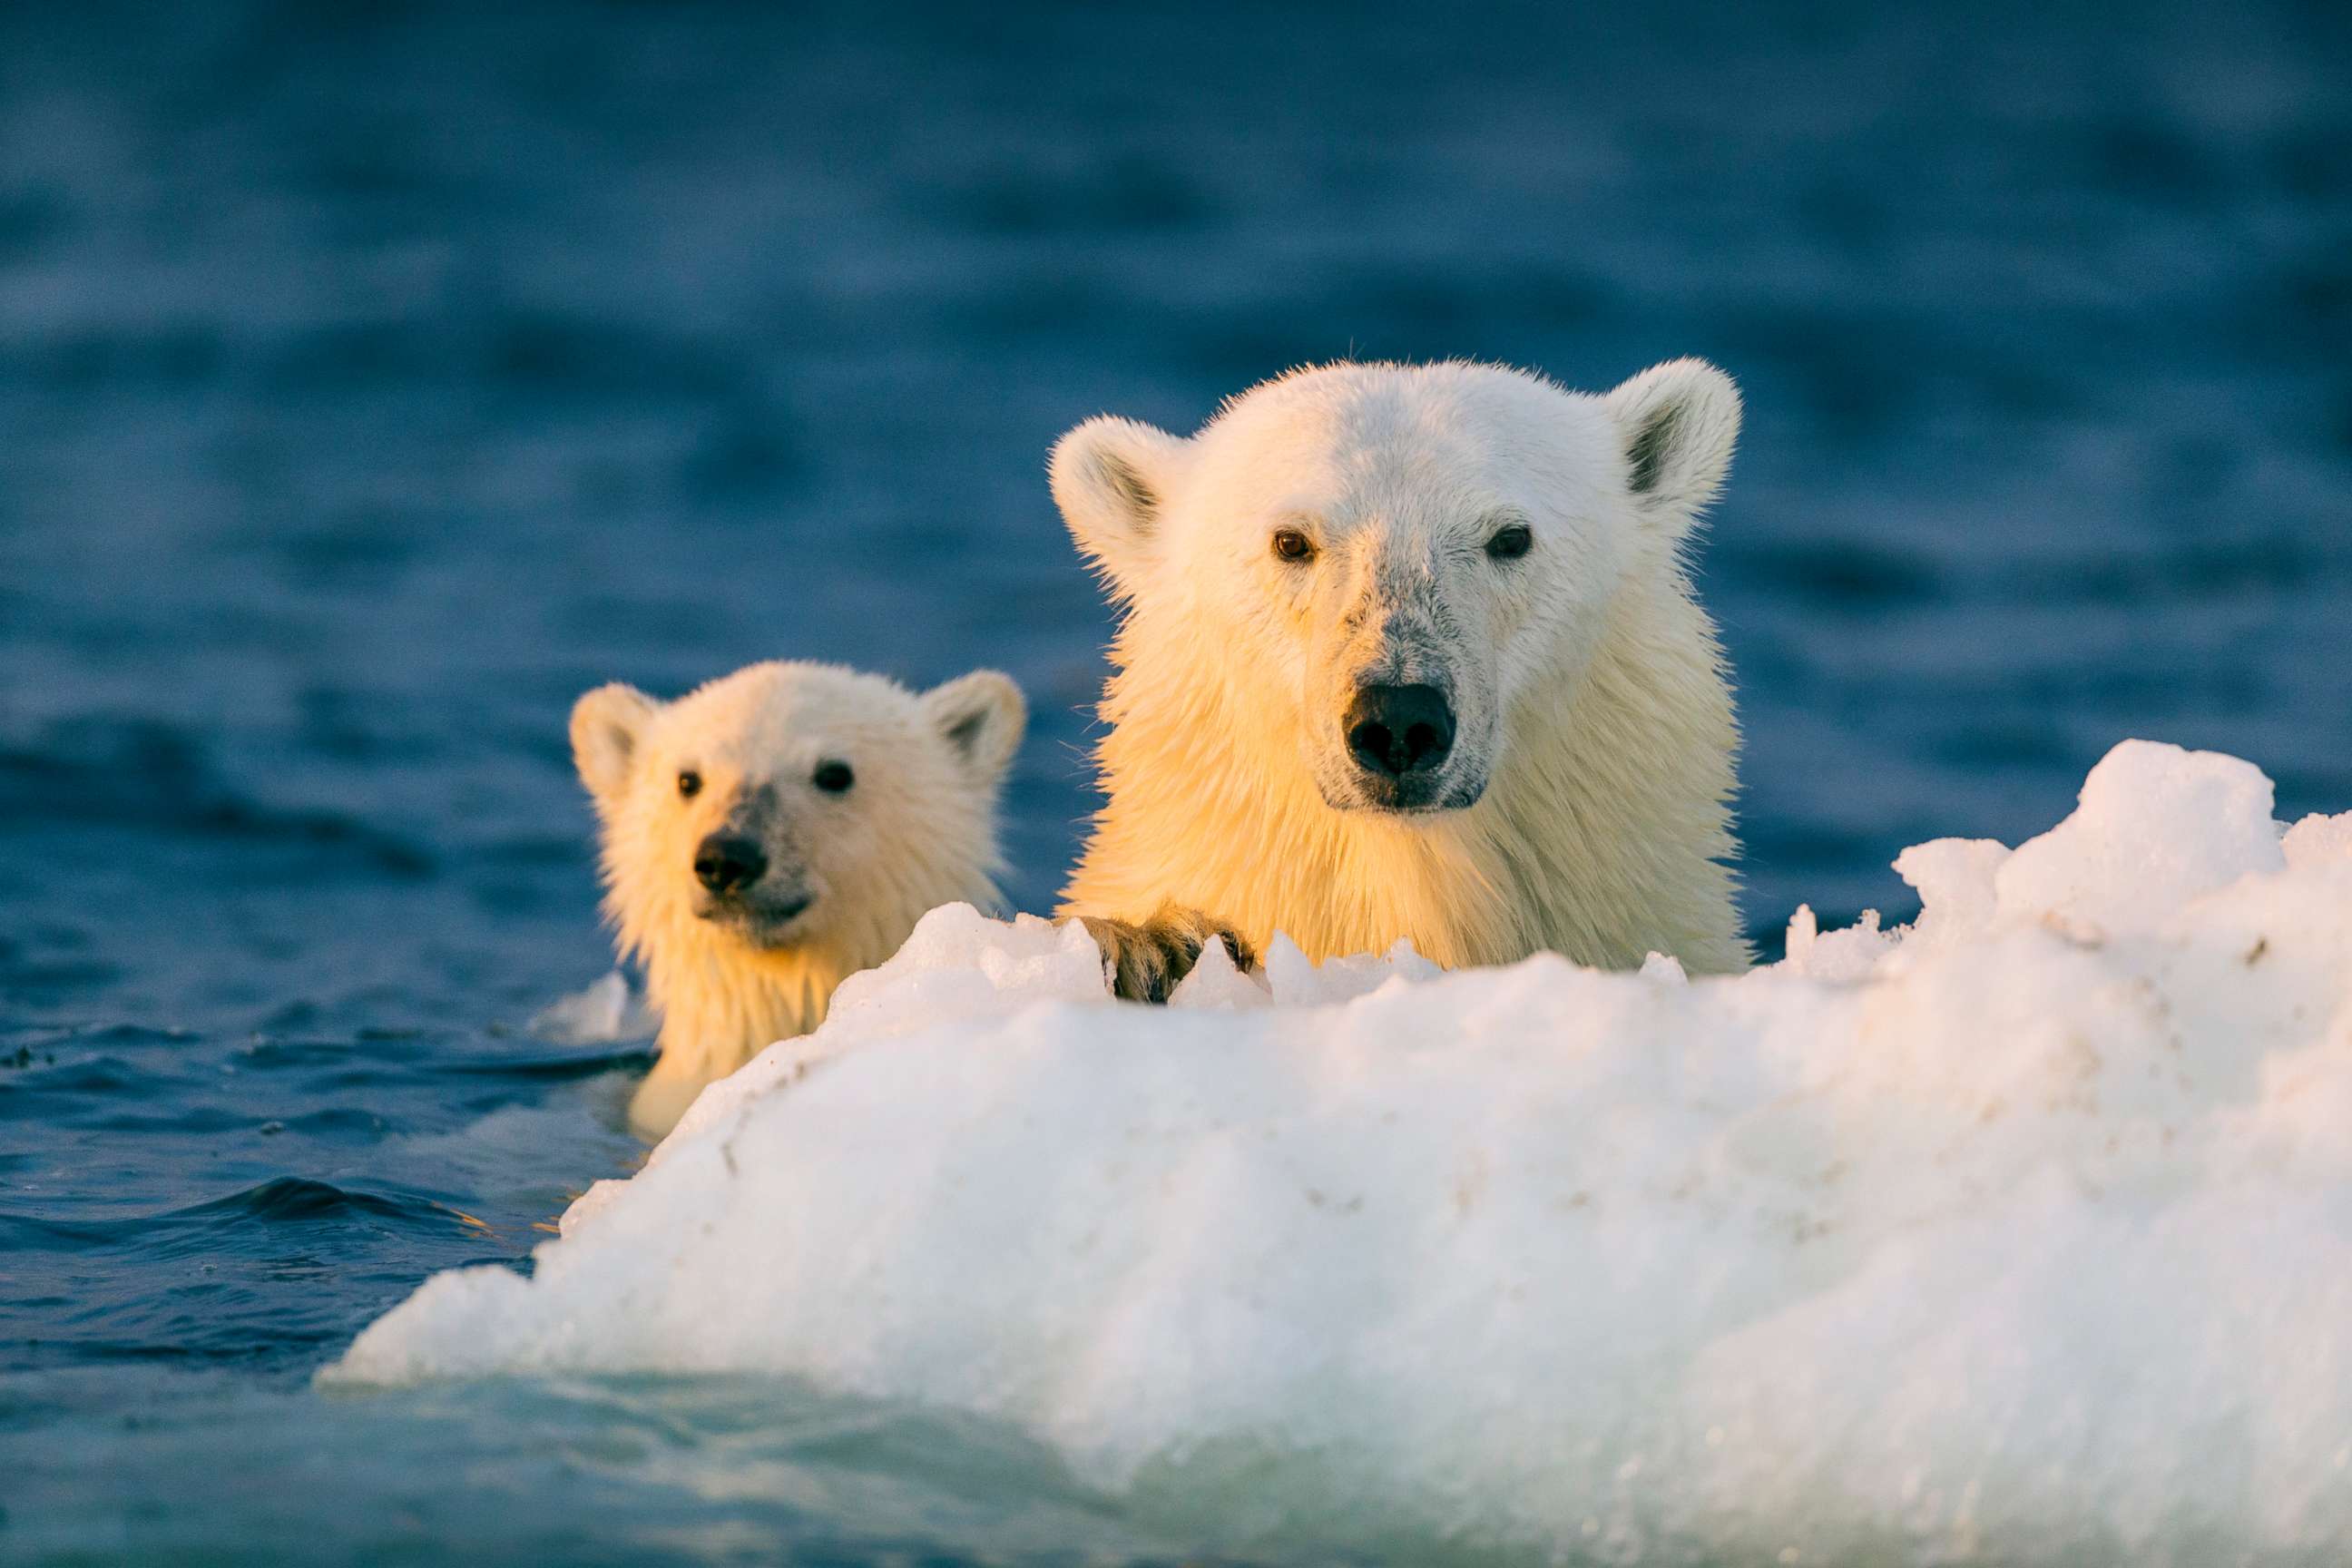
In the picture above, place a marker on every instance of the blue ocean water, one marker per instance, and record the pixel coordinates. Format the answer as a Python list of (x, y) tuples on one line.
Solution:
[(375, 379)]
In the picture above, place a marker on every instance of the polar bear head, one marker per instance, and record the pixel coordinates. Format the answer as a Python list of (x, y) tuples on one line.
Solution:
[(791, 805), (1392, 554)]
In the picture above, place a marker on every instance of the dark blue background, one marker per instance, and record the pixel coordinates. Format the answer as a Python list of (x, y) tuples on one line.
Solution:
[(375, 379)]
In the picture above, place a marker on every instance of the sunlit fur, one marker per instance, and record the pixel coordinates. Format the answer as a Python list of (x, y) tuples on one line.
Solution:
[(917, 829), (1591, 781)]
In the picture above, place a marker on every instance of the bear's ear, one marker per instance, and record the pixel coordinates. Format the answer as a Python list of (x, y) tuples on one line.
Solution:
[(1111, 479), (1677, 423), (605, 727), (981, 717)]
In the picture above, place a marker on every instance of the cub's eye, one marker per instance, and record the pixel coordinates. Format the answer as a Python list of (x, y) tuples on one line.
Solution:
[(689, 784), (1289, 545), (1510, 543), (833, 778)]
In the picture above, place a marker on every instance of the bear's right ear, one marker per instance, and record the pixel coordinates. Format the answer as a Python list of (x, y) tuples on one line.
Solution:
[(1111, 479), (605, 727)]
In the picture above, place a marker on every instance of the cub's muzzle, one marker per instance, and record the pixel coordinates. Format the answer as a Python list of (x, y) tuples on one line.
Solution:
[(727, 863)]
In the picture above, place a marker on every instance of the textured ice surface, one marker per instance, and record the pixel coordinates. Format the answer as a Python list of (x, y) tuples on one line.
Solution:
[(2023, 1234)]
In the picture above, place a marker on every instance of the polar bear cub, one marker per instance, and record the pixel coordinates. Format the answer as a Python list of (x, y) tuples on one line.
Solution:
[(1411, 651), (777, 830)]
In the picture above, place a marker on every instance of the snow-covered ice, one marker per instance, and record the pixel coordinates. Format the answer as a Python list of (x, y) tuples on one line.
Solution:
[(2020, 1234)]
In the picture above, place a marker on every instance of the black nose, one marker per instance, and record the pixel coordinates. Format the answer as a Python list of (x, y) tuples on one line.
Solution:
[(1400, 729), (728, 862)]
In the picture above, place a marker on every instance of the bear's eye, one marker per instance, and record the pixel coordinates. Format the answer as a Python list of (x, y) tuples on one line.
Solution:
[(1511, 542), (690, 782), (1289, 545), (832, 778)]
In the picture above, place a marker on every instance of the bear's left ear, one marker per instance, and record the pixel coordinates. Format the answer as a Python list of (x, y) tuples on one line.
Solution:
[(981, 716), (1111, 479), (607, 724), (1677, 423)]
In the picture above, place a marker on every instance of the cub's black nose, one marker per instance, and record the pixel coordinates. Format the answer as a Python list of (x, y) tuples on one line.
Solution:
[(729, 863), (1400, 729)]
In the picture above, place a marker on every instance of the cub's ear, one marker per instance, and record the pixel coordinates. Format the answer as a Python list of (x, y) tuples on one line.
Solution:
[(981, 716), (1111, 479), (1677, 423), (605, 727)]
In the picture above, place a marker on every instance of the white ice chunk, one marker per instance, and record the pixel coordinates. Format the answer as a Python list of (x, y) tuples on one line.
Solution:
[(1954, 880), (2319, 841), (2155, 827), (1664, 968), (1987, 1243), (1217, 984), (1835, 956), (1297, 981)]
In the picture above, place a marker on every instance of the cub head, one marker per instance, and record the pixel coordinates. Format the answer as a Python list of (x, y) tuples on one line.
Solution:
[(793, 804), (1387, 555)]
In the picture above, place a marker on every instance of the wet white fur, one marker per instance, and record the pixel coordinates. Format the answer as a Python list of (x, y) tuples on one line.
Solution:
[(917, 829), (1589, 686)]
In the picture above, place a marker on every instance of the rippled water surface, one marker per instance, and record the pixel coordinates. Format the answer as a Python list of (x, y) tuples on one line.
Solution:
[(373, 380)]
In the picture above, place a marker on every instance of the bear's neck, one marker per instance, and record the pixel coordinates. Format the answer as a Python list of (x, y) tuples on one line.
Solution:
[(719, 1008), (1600, 835), (722, 1004)]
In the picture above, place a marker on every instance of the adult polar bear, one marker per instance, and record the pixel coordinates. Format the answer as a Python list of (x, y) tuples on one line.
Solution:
[(1411, 651)]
